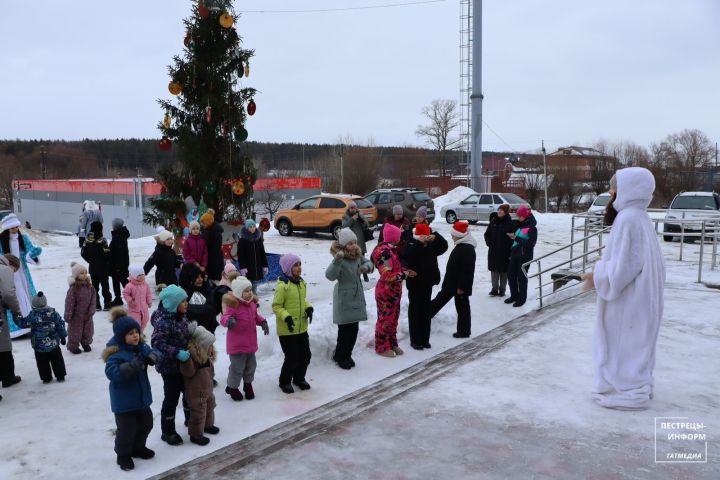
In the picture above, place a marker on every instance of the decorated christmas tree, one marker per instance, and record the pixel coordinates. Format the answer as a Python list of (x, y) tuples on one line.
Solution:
[(205, 121)]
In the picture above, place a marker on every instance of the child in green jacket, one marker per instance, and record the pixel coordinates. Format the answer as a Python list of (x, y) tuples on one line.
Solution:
[(293, 314)]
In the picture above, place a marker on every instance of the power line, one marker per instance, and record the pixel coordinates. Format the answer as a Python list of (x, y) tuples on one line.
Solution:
[(345, 9), (498, 136)]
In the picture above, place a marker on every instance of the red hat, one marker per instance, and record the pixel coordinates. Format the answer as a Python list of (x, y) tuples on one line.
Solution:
[(459, 229), (421, 229), (523, 211)]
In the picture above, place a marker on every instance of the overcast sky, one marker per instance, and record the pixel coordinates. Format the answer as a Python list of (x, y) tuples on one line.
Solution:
[(566, 71)]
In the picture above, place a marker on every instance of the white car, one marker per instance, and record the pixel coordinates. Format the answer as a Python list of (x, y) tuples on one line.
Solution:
[(479, 206), (690, 205), (599, 204)]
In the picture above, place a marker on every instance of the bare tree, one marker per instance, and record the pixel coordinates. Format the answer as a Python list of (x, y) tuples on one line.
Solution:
[(362, 168), (270, 200), (444, 119), (9, 171)]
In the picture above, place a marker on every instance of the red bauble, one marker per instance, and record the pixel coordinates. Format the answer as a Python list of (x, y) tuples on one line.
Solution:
[(165, 144), (186, 40), (208, 114), (251, 107), (203, 11)]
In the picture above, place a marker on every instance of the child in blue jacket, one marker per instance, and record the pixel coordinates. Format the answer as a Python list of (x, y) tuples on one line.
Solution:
[(47, 330), (126, 359)]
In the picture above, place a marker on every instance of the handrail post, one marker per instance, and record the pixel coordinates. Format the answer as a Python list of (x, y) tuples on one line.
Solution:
[(716, 231), (702, 244), (585, 246), (682, 237), (572, 239), (540, 292)]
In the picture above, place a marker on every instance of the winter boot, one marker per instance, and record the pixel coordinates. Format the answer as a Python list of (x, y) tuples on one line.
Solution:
[(427, 345), (117, 302), (171, 438), (287, 388), (417, 347), (510, 300), (493, 293), (75, 351), (126, 463), (501, 293), (87, 348), (61, 379), (459, 335), (387, 353), (519, 303), (212, 430), (144, 453), (234, 393), (344, 364), (202, 440), (47, 381), (249, 392), (398, 351), (352, 362), (11, 382), (302, 384)]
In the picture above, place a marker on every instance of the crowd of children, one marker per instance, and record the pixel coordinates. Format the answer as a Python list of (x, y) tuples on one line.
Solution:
[(199, 286)]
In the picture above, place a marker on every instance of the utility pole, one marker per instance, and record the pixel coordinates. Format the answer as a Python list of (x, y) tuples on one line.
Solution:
[(476, 98), (545, 182), (342, 180), (43, 167)]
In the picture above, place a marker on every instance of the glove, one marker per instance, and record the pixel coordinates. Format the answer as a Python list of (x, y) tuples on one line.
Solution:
[(243, 272), (290, 323), (130, 368), (183, 355), (265, 271), (364, 269), (191, 327), (339, 255), (63, 341), (151, 359), (309, 312), (265, 328), (232, 321)]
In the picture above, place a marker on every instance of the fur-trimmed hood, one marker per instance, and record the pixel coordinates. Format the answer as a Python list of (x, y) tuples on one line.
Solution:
[(200, 356), (73, 281), (351, 253), (113, 346)]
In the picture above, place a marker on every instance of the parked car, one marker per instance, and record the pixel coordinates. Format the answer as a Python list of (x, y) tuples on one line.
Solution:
[(321, 213), (479, 206), (5, 213), (691, 205), (410, 198), (598, 205)]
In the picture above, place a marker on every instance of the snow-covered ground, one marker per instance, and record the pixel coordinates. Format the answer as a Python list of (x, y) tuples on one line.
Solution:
[(67, 429)]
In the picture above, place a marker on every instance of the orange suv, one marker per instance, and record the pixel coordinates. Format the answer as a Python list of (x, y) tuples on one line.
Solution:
[(321, 213)]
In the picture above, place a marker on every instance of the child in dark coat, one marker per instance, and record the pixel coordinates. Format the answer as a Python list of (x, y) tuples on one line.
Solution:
[(458, 280), (198, 373), (96, 252), (251, 254), (47, 330), (119, 258), (164, 259), (126, 358), (79, 309)]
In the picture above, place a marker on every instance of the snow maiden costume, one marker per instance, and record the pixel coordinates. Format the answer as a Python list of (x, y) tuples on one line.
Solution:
[(19, 244), (629, 280)]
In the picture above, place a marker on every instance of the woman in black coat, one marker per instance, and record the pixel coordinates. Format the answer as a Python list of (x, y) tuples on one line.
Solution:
[(251, 254), (164, 258), (119, 258), (200, 297), (499, 245)]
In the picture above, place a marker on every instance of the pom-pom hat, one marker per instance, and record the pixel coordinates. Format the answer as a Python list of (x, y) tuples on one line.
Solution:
[(459, 229)]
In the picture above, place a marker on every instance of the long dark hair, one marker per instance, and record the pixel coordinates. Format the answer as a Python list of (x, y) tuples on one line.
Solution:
[(610, 212), (5, 241)]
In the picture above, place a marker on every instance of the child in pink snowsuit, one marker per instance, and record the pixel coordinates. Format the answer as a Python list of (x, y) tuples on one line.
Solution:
[(80, 304), (388, 291), (194, 248), (138, 296)]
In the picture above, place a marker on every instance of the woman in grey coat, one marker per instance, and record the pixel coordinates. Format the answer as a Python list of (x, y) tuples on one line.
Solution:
[(9, 264), (349, 295)]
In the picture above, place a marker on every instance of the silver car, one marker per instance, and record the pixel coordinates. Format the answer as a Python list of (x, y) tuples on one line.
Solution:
[(479, 206)]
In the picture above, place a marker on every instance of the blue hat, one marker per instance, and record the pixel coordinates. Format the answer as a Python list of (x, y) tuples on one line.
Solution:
[(249, 223), (122, 324), (172, 296)]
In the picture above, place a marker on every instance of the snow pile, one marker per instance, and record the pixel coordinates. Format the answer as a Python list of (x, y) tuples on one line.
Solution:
[(455, 195)]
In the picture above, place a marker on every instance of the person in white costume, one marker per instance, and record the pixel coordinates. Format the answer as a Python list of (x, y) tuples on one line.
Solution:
[(629, 279)]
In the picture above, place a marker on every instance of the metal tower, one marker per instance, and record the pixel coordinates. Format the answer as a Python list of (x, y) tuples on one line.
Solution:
[(466, 43)]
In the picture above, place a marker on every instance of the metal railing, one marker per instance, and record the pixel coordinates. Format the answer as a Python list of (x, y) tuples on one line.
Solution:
[(706, 229)]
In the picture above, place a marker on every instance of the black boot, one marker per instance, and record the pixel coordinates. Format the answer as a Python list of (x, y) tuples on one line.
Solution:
[(87, 348), (144, 453), (302, 384), (171, 438), (249, 392), (510, 300), (519, 303), (126, 463), (11, 382), (344, 364), (287, 388), (493, 293), (212, 430), (202, 440)]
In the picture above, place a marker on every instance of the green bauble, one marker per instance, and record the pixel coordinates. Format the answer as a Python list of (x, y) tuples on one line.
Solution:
[(210, 187), (241, 134)]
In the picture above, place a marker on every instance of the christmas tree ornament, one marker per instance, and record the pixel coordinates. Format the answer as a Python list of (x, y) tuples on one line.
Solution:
[(226, 20), (191, 45), (247, 69), (175, 88), (241, 70), (165, 144), (203, 11), (238, 188), (210, 187), (208, 114), (251, 108), (241, 134), (225, 127), (186, 40), (167, 120)]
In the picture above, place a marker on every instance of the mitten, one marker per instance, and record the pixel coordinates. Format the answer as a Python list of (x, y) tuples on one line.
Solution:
[(63, 341), (232, 321), (309, 312), (183, 355), (265, 271), (265, 328), (290, 323), (151, 359), (364, 269), (243, 272), (191, 327), (339, 255)]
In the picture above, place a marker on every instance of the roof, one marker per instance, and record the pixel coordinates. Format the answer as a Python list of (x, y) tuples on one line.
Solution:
[(696, 194), (581, 151)]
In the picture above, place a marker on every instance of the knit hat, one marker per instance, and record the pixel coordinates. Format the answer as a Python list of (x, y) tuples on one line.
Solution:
[(459, 229), (208, 218), (96, 227), (239, 285), (77, 269), (397, 210), (229, 267), (136, 270), (172, 296), (391, 233), (249, 223), (523, 212), (163, 236), (505, 208), (421, 229), (194, 224), (287, 262), (39, 301), (352, 204), (13, 261), (346, 236), (9, 221), (122, 324), (118, 223), (203, 337), (421, 212)]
